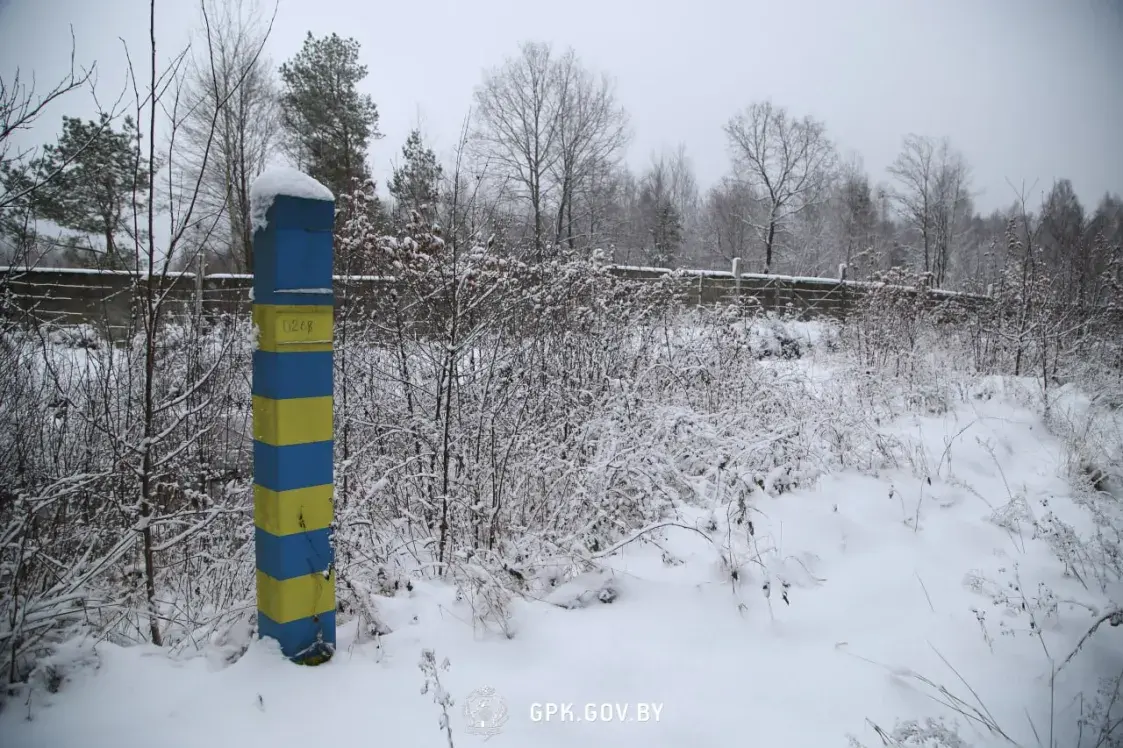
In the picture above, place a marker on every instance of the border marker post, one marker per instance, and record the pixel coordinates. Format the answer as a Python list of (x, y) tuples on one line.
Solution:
[(293, 301)]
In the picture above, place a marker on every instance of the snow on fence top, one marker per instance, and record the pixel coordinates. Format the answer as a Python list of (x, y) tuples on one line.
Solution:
[(794, 279), (686, 273), (17, 270), (727, 274), (282, 180)]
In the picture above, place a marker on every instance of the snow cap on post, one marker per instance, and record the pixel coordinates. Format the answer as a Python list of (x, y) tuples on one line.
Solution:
[(282, 181)]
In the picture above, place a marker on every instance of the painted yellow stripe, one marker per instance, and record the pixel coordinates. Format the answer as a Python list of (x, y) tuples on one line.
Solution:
[(295, 598), (285, 328), (288, 512), (297, 420)]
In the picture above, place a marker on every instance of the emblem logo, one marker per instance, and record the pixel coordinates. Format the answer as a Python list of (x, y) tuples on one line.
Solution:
[(486, 712)]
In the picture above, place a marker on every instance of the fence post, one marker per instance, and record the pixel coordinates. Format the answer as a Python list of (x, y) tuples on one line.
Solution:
[(737, 276), (200, 267), (292, 413)]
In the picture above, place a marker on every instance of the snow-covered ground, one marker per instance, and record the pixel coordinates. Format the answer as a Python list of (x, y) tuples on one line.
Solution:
[(792, 620)]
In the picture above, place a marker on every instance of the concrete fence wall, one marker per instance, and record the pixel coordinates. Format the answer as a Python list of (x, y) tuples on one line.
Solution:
[(74, 296)]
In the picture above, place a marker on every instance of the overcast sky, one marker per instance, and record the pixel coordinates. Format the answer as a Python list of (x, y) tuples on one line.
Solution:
[(1028, 90)]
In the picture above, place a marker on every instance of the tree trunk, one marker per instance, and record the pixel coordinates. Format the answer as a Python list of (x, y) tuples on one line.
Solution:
[(768, 244)]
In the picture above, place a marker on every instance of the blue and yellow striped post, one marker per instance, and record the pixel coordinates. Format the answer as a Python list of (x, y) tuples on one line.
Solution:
[(292, 427)]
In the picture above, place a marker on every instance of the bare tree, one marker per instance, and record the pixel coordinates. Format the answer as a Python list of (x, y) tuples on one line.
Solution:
[(857, 217), (592, 130), (153, 429), (550, 127), (517, 107), (889, 249), (788, 161), (953, 210), (230, 85), (725, 232), (157, 439), (932, 196), (600, 205)]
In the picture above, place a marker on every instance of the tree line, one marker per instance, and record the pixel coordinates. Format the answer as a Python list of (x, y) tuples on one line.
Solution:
[(540, 162)]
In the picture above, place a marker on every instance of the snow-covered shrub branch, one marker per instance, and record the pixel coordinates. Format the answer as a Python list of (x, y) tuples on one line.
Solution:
[(70, 458)]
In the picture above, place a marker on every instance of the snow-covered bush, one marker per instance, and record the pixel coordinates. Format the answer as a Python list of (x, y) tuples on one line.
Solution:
[(71, 472)]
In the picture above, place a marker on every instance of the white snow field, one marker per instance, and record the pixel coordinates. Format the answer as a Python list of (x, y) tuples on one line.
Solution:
[(935, 596)]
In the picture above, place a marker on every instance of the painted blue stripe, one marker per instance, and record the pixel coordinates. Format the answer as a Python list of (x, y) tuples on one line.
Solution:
[(291, 255), (295, 374), (292, 466), (292, 258), (303, 258), (300, 635), (301, 212), (288, 556)]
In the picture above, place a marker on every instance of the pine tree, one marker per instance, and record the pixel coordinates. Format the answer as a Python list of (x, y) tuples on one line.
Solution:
[(18, 238), (415, 185), (100, 179), (328, 123)]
